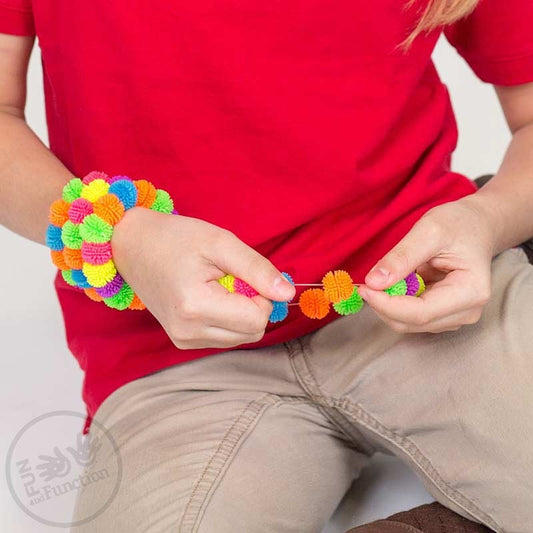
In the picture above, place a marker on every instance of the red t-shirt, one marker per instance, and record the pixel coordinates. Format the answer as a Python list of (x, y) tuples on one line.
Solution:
[(300, 126)]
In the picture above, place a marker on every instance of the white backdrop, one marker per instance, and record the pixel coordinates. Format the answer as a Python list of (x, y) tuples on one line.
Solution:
[(39, 375)]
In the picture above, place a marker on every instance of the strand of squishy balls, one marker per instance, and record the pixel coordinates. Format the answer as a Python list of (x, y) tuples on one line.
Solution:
[(337, 290)]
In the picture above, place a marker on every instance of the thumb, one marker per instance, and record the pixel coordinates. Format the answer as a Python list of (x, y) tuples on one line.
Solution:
[(235, 257), (417, 247)]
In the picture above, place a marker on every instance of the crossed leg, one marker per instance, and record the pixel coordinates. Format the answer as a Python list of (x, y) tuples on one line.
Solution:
[(203, 449), (455, 405)]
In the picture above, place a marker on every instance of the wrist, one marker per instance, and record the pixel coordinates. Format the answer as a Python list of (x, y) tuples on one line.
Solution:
[(125, 233), (491, 210)]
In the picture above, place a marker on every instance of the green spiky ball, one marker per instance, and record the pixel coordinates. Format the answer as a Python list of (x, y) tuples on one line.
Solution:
[(95, 229), (70, 235), (122, 299), (72, 190), (351, 305), (163, 202), (67, 276), (398, 289)]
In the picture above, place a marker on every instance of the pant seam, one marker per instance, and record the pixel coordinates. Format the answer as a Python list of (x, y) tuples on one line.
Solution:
[(212, 474), (361, 416), (365, 419), (309, 384)]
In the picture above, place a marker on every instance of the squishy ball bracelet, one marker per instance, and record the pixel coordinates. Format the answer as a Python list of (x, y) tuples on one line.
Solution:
[(79, 237), (80, 230)]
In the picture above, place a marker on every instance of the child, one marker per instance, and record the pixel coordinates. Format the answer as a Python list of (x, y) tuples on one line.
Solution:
[(295, 137)]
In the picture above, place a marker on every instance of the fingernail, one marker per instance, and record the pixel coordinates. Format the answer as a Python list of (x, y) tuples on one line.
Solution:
[(379, 274), (283, 288)]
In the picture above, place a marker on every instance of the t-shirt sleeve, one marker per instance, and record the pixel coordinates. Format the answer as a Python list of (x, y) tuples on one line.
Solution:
[(496, 40), (16, 17)]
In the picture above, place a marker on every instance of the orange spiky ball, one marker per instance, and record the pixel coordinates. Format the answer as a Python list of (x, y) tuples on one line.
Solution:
[(93, 295), (137, 304), (313, 303), (73, 258), (146, 193), (59, 260), (338, 285), (59, 212), (109, 208)]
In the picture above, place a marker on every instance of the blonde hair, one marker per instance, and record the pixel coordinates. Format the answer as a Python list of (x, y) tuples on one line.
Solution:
[(439, 13)]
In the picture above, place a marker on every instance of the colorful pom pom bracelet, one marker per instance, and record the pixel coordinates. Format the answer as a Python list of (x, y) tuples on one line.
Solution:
[(81, 227), (337, 290)]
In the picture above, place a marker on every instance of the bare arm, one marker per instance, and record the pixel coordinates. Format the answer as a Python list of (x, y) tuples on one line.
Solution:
[(31, 177), (508, 196)]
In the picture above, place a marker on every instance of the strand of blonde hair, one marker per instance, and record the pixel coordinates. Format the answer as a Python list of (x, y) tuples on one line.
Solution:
[(439, 13)]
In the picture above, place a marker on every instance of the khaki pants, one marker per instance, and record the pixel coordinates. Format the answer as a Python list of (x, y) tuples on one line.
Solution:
[(269, 440)]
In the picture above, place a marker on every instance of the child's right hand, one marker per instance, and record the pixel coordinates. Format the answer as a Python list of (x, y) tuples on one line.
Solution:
[(173, 263)]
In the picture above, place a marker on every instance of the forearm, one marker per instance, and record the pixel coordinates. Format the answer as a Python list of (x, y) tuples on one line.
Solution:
[(507, 198), (31, 177)]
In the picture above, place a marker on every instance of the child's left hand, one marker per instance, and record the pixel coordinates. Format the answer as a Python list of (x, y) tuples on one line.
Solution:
[(451, 246)]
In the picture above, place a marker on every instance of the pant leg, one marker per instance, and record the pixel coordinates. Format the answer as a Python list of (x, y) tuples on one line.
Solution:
[(457, 406), (225, 443)]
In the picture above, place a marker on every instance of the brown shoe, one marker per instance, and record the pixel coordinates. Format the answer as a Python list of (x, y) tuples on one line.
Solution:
[(430, 518), (385, 526)]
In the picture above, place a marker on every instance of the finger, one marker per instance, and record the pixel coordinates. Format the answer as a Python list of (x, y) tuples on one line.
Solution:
[(235, 257), (444, 298), (235, 312), (231, 338), (215, 337), (457, 321), (419, 245), (449, 323), (430, 274)]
